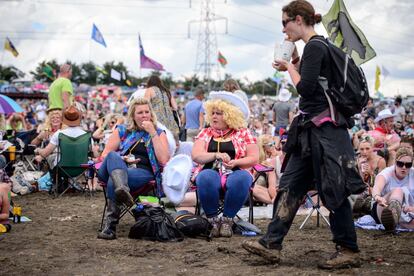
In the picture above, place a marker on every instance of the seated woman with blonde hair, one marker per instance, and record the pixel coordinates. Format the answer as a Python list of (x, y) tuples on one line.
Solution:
[(225, 152), (393, 193), (266, 186), (132, 157)]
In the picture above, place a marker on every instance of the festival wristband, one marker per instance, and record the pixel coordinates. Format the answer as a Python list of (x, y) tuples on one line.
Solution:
[(296, 60)]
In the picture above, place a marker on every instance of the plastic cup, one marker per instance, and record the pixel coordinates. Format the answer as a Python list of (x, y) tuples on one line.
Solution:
[(284, 50), (12, 152)]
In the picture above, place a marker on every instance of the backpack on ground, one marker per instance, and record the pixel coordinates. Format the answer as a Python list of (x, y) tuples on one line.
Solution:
[(193, 225), (348, 89), (153, 223)]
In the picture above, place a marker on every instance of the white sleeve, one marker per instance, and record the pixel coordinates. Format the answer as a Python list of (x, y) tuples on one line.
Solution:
[(54, 139)]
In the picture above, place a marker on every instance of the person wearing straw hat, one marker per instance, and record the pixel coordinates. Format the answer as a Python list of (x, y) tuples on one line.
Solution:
[(386, 141), (283, 111), (72, 119), (224, 152)]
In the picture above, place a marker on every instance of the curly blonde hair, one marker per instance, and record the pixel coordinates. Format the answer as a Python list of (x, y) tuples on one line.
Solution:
[(131, 124), (232, 116)]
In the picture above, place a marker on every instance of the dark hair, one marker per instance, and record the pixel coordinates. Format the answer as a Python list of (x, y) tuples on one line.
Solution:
[(156, 81), (304, 9), (398, 99)]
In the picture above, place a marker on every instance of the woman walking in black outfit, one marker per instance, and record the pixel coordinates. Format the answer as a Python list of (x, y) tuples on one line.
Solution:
[(319, 148)]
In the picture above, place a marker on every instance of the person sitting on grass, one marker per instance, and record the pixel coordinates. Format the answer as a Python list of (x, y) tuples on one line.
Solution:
[(393, 193)]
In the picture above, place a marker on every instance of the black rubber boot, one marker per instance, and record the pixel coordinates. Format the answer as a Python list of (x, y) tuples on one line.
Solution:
[(111, 220), (120, 180)]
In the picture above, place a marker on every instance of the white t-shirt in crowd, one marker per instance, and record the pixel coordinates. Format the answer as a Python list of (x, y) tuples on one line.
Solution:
[(392, 182), (399, 112), (70, 131)]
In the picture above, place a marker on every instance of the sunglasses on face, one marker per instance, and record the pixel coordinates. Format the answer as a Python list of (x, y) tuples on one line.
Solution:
[(401, 164), (270, 144), (286, 21)]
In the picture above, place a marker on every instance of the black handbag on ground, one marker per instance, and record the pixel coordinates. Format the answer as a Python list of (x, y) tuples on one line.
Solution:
[(153, 223)]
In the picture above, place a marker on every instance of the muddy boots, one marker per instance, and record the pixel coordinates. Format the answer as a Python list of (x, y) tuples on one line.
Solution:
[(215, 230), (112, 213), (226, 228), (391, 216), (342, 258), (120, 180), (270, 255)]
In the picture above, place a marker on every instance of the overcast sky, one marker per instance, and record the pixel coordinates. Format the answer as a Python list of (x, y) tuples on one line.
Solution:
[(61, 29)]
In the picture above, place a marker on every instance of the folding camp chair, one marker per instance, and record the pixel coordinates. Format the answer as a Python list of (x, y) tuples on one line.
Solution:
[(149, 188), (315, 206), (72, 152), (260, 169)]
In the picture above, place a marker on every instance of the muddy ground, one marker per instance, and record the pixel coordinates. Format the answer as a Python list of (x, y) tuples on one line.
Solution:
[(62, 240)]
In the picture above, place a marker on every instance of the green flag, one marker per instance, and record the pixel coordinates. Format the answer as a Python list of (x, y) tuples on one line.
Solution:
[(101, 70), (346, 35), (48, 72)]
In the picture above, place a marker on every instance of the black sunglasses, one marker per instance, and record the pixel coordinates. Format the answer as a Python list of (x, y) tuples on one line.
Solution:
[(401, 164), (285, 22)]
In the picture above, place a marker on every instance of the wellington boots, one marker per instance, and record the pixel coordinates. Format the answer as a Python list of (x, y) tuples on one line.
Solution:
[(391, 216), (215, 230), (226, 228), (111, 220), (120, 180)]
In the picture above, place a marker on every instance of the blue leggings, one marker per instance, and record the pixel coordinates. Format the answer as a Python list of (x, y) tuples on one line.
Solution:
[(209, 189), (137, 177)]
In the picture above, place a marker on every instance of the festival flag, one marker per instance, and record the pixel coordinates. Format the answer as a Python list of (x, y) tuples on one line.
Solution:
[(147, 62), (8, 45), (377, 78), (97, 35), (115, 74), (277, 77), (101, 70), (48, 72), (221, 59), (384, 71), (345, 34)]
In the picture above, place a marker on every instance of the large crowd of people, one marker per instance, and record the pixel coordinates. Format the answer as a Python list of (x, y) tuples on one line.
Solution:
[(359, 166)]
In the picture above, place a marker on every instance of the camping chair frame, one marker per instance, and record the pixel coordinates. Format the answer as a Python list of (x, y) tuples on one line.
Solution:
[(260, 169), (72, 153), (149, 188), (315, 206)]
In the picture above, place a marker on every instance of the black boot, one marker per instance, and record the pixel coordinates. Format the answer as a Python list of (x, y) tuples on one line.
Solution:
[(120, 180), (111, 220)]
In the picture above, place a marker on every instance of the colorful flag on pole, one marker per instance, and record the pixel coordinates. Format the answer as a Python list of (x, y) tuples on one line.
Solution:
[(128, 82), (97, 35), (147, 62), (384, 71), (115, 74), (48, 72), (345, 34), (221, 59), (377, 78), (101, 70), (277, 77), (8, 45)]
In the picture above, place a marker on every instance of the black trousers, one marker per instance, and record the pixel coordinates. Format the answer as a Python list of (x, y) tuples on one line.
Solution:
[(295, 182)]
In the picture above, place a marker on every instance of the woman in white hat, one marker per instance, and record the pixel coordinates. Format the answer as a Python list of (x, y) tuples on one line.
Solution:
[(386, 140), (139, 144), (225, 152)]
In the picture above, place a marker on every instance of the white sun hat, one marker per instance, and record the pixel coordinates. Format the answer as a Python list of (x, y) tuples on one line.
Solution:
[(384, 114), (176, 177), (284, 95), (232, 98)]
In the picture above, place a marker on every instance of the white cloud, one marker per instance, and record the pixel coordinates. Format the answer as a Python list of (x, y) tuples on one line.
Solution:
[(254, 27)]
